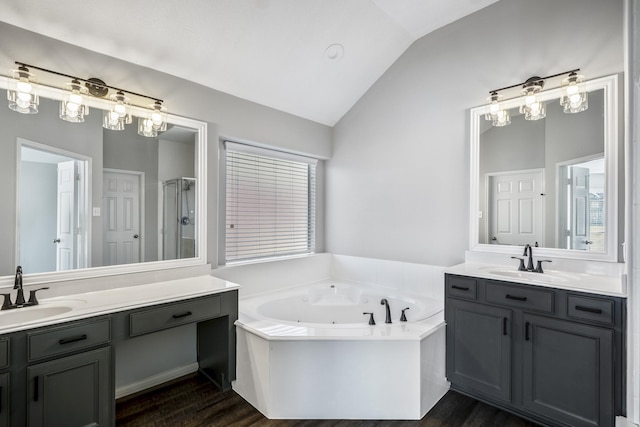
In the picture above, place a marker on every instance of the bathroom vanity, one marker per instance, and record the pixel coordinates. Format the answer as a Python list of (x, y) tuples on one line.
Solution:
[(551, 354), (59, 371)]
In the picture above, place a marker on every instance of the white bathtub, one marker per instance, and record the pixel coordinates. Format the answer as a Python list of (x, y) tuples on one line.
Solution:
[(308, 352)]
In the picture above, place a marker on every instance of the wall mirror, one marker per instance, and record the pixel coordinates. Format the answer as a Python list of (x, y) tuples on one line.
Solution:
[(84, 201), (552, 182)]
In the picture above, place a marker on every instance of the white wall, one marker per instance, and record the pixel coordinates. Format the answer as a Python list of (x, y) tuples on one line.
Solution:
[(397, 184)]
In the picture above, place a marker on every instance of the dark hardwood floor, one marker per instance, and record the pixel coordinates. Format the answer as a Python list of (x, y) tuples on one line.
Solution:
[(192, 401)]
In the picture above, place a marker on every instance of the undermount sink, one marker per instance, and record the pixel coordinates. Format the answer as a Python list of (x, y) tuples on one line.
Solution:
[(38, 312), (547, 276)]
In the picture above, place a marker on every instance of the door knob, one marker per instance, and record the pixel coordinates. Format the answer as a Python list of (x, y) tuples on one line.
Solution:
[(588, 242), (56, 240), (135, 236)]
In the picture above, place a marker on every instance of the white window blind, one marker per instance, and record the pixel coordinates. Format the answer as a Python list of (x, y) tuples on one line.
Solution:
[(270, 203)]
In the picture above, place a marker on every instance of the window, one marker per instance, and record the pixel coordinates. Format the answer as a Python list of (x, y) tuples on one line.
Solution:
[(270, 203)]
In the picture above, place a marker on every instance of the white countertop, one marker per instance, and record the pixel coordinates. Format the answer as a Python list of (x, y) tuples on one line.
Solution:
[(89, 304), (582, 282)]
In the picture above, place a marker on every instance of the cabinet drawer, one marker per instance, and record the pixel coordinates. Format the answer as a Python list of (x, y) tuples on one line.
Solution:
[(155, 319), (592, 309), (461, 287), (520, 296), (4, 353), (65, 339)]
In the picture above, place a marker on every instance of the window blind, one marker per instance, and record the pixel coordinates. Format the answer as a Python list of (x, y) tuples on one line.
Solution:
[(270, 203)]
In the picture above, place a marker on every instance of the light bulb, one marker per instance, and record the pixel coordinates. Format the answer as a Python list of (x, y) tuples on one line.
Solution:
[(113, 117), (120, 110), (494, 108), (24, 87), (530, 99), (75, 98), (156, 118)]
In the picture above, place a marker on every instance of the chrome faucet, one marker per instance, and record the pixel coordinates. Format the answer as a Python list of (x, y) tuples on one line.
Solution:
[(386, 305)]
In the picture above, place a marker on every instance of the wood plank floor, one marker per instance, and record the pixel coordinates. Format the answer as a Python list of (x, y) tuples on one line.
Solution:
[(192, 401)]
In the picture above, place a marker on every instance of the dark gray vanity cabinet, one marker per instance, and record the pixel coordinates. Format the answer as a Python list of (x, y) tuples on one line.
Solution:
[(72, 391), (63, 374), (479, 348), (551, 355), (4, 399), (5, 383), (69, 374), (568, 371)]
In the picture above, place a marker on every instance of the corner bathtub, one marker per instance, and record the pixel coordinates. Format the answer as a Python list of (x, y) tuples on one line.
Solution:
[(308, 353)]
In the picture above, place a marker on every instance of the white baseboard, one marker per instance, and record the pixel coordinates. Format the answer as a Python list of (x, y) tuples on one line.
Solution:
[(155, 380)]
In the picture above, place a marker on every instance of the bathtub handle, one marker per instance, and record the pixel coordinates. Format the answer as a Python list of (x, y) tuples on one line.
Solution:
[(371, 321), (403, 318)]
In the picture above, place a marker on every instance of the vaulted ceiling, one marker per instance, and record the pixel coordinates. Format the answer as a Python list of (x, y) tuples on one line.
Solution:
[(310, 58)]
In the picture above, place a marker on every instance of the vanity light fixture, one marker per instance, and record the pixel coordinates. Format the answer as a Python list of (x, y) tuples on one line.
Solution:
[(574, 96), (23, 98), (156, 121), (498, 115), (532, 107), (22, 93), (73, 107), (118, 116)]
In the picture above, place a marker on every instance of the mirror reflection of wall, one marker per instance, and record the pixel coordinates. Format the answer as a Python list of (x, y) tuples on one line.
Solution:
[(519, 196), (34, 231)]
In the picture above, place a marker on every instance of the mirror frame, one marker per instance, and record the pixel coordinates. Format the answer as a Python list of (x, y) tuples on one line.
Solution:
[(610, 86), (201, 193)]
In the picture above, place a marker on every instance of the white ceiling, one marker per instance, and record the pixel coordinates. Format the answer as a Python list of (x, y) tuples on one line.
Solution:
[(268, 51)]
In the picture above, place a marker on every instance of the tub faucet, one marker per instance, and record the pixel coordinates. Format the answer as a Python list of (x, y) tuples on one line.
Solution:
[(386, 306)]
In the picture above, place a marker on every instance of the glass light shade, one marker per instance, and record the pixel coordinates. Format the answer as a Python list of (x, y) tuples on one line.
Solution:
[(119, 115), (72, 108), (503, 118), (531, 107), (154, 122), (22, 93), (574, 95), (145, 128), (498, 116)]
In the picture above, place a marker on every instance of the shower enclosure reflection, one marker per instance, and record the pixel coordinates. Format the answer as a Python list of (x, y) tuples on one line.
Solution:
[(179, 222)]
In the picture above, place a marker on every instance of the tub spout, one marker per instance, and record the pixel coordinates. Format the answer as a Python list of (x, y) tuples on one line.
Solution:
[(386, 306)]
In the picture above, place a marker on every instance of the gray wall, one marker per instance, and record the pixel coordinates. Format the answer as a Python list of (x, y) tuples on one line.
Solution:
[(398, 181)]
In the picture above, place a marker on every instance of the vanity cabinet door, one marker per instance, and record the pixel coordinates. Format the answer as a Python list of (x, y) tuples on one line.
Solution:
[(479, 348), (568, 371), (71, 391), (4, 399)]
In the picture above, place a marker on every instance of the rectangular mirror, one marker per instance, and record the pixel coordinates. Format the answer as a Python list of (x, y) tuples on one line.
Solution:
[(86, 201), (551, 182)]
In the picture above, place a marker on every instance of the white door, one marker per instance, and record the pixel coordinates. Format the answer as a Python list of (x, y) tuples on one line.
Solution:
[(516, 201), (579, 215), (67, 216), (121, 218)]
